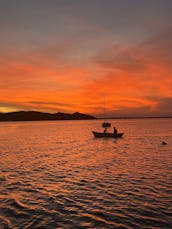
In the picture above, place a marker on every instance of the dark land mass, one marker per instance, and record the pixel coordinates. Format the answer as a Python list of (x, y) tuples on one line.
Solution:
[(38, 116)]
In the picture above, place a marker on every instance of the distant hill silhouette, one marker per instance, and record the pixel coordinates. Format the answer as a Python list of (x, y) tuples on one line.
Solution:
[(37, 116)]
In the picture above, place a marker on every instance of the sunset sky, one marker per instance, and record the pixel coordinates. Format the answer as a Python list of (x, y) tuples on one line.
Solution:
[(86, 55)]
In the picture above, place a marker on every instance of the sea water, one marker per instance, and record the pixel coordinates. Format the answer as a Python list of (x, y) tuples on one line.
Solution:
[(55, 174)]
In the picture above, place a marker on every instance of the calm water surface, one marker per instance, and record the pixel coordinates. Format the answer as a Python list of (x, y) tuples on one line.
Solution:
[(54, 174)]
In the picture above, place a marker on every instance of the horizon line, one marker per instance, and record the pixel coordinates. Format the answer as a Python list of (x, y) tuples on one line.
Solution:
[(118, 117)]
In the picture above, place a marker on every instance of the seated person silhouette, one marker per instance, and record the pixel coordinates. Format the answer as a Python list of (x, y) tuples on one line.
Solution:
[(105, 131)]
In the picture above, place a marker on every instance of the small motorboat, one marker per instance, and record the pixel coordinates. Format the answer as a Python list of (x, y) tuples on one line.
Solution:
[(107, 135)]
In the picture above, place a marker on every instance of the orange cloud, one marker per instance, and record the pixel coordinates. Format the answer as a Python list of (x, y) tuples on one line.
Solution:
[(136, 79), (48, 87), (133, 80)]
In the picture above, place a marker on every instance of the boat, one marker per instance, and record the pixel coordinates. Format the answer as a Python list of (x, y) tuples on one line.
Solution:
[(107, 135)]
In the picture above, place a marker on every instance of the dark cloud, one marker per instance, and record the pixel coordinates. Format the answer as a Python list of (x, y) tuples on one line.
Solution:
[(157, 49), (121, 58), (164, 106), (162, 109), (58, 104), (36, 105)]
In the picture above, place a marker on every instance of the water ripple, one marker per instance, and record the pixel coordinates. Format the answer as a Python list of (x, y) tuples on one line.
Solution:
[(52, 180)]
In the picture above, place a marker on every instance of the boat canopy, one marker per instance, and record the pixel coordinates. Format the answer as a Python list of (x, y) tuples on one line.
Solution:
[(106, 124)]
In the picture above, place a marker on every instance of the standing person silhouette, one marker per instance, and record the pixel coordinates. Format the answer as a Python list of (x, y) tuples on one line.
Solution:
[(115, 130)]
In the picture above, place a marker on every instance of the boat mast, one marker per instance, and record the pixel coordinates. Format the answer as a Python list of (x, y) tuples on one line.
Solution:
[(105, 124), (104, 109)]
